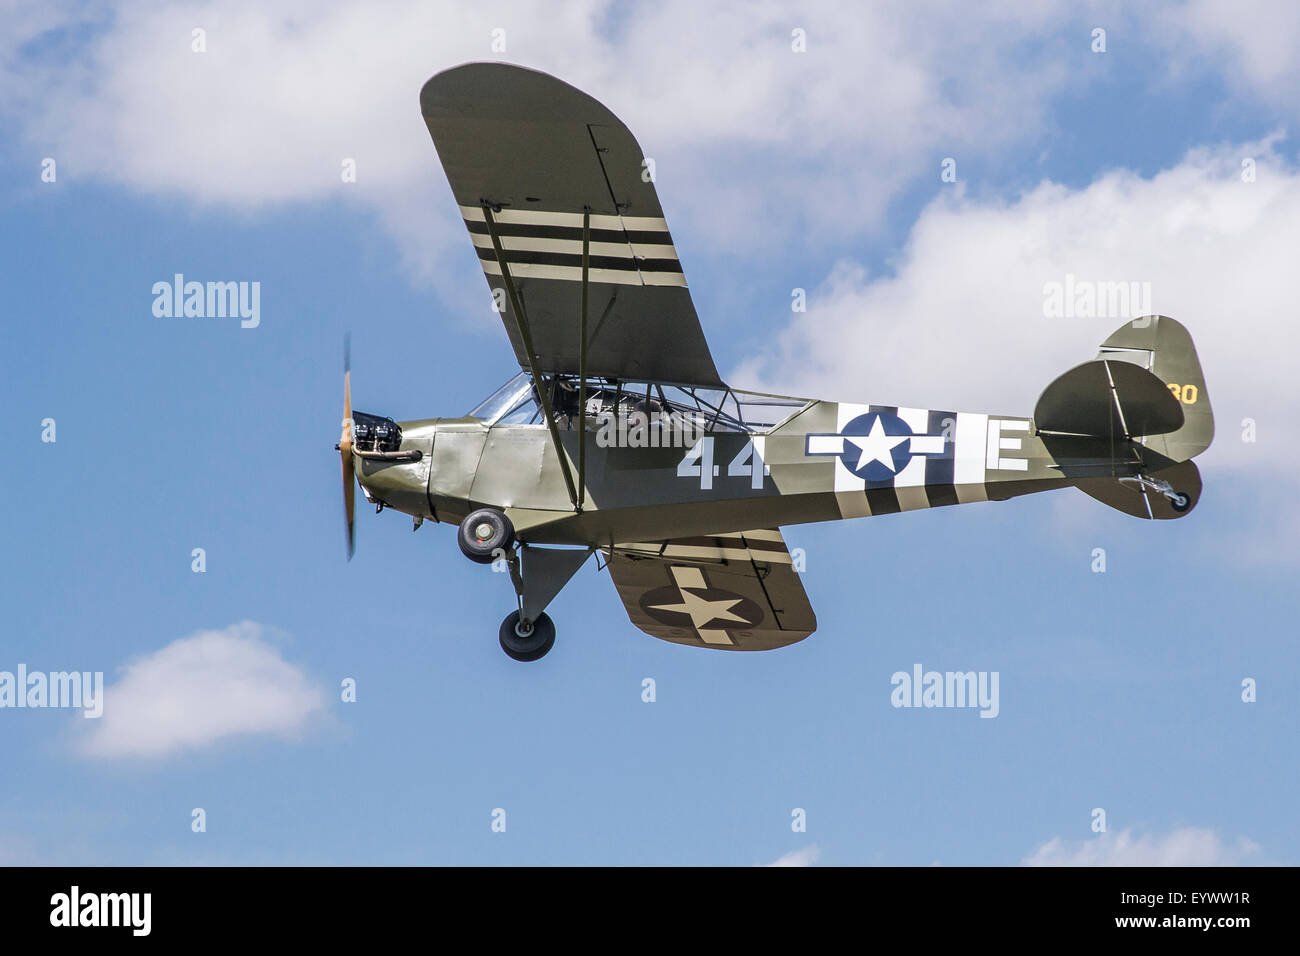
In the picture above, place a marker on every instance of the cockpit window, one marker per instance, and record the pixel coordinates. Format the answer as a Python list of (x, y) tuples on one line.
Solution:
[(714, 410), (525, 410), (504, 399)]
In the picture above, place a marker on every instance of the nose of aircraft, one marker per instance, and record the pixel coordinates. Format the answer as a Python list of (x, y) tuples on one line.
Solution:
[(390, 461)]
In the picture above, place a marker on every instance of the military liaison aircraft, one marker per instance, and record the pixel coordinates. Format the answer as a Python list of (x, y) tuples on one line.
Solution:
[(618, 437)]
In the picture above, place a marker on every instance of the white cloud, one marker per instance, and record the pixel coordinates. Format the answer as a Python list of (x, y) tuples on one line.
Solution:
[(959, 323), (1189, 846), (1253, 44), (742, 128), (803, 857), (199, 690), (744, 131)]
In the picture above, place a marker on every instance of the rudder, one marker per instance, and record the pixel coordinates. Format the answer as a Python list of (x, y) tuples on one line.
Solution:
[(1164, 347)]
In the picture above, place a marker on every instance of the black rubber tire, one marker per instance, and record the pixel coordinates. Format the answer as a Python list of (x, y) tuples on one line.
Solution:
[(484, 550), (532, 647), (1180, 508)]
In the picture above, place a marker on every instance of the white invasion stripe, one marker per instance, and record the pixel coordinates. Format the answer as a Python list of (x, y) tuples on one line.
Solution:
[(853, 504), (528, 270), (653, 250), (968, 493), (663, 278), (684, 552), (970, 436), (731, 554), (687, 577), (912, 498), (538, 217), (846, 412), (644, 223), (918, 419), (713, 636), (912, 474), (573, 247), (846, 480), (764, 534)]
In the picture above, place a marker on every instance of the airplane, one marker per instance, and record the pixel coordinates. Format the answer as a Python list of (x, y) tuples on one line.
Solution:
[(619, 439)]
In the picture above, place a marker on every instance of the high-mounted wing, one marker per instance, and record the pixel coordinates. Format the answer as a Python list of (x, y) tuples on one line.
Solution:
[(527, 156), (736, 592)]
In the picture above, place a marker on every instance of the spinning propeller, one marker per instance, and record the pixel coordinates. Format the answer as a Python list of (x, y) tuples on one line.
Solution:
[(345, 449)]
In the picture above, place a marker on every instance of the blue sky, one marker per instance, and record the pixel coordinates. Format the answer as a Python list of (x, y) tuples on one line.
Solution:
[(1119, 690)]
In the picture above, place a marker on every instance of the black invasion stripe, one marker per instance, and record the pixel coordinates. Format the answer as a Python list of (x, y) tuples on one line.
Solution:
[(517, 256), (939, 488), (535, 231), (883, 501)]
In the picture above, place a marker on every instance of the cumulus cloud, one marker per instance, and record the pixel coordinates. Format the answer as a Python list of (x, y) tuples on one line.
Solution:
[(744, 131), (1189, 846), (1254, 44), (806, 856), (199, 690), (741, 127)]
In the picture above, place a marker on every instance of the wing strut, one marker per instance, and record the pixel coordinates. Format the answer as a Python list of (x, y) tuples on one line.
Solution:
[(582, 363), (538, 382)]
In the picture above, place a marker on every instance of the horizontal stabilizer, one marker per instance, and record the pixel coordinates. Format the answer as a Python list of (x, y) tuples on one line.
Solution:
[(1142, 501), (1108, 399)]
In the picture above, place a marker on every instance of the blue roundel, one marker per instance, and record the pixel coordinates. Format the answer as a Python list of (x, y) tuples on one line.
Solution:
[(877, 446)]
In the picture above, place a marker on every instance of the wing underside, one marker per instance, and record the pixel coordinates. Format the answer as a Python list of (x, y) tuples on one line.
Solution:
[(736, 592), (540, 163)]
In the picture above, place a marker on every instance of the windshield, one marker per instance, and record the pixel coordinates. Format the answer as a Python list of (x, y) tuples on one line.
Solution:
[(719, 410), (503, 398)]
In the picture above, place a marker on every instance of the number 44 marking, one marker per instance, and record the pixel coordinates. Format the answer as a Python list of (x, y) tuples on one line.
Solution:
[(698, 463)]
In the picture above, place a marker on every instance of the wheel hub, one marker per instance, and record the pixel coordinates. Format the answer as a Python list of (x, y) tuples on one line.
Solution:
[(483, 531)]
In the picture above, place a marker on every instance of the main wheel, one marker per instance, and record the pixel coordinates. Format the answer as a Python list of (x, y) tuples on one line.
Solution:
[(484, 534), (1180, 502), (527, 644)]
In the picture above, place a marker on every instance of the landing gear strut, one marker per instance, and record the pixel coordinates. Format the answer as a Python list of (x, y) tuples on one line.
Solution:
[(537, 574), (1177, 500)]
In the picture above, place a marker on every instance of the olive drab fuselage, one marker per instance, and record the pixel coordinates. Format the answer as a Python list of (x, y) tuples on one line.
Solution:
[(810, 467)]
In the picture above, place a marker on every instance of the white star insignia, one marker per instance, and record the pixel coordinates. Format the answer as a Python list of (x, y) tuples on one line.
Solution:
[(876, 446), (702, 611)]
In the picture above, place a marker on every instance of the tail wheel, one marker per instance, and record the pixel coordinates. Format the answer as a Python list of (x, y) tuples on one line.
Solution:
[(1180, 502), (485, 534), (527, 642)]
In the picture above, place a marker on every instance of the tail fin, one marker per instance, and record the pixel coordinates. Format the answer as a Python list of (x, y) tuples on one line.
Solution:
[(1144, 397), (1165, 348)]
